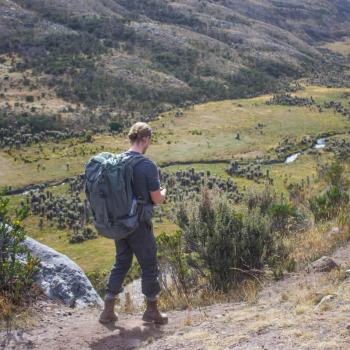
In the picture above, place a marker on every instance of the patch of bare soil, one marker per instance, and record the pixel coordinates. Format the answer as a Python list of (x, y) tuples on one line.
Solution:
[(305, 310)]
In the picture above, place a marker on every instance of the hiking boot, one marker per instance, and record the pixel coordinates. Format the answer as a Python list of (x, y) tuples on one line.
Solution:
[(108, 314), (152, 314)]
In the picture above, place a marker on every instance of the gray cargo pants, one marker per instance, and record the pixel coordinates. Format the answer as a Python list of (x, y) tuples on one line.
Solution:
[(142, 243)]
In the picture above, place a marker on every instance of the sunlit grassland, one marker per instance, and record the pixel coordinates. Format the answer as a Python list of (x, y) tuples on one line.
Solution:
[(206, 132)]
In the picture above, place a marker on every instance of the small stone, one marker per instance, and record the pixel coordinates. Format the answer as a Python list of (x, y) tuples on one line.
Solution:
[(325, 299), (335, 230), (347, 273), (325, 264)]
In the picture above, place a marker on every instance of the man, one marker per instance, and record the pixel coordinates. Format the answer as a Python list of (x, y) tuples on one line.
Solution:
[(146, 186)]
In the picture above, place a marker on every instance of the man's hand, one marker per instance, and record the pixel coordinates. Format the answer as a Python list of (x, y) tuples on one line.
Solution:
[(158, 197)]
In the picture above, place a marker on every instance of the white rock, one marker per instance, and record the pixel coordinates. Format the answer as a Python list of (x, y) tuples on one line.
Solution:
[(335, 230), (325, 299), (60, 278)]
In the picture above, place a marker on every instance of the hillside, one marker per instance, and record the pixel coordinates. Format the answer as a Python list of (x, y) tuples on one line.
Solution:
[(119, 58)]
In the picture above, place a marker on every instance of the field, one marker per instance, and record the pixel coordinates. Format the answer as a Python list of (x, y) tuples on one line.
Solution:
[(183, 139), (206, 132)]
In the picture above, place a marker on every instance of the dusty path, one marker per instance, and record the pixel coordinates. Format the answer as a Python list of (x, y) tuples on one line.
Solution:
[(287, 315)]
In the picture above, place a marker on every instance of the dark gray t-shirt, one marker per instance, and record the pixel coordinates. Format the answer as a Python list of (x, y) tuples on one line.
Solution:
[(146, 178)]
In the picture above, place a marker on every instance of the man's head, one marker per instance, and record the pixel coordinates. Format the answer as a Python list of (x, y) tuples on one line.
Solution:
[(140, 136)]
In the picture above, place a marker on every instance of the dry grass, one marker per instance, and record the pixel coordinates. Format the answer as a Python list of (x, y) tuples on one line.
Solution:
[(246, 291), (14, 316), (316, 242), (6, 312)]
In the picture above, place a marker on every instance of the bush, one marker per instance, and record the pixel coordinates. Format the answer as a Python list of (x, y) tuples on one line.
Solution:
[(227, 245), (327, 206), (173, 261), (30, 98), (17, 265), (280, 214), (99, 281), (82, 235), (116, 126)]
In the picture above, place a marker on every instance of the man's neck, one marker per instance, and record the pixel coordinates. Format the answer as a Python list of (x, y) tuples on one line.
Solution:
[(136, 148)]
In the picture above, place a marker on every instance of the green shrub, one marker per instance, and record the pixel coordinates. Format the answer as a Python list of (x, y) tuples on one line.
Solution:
[(228, 245), (280, 214), (30, 99), (327, 206), (82, 235), (173, 261), (17, 265), (116, 126), (99, 281)]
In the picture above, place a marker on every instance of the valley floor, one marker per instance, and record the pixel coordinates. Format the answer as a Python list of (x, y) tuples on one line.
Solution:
[(305, 310)]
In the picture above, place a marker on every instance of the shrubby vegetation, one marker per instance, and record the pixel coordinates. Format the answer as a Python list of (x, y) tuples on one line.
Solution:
[(223, 245), (327, 205), (17, 265), (186, 184), (250, 171), (220, 245), (72, 59), (67, 211), (289, 100)]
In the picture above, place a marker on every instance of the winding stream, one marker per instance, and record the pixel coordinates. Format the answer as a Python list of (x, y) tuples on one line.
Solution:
[(320, 144)]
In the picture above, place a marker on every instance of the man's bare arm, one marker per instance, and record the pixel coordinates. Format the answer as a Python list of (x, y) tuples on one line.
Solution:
[(158, 197)]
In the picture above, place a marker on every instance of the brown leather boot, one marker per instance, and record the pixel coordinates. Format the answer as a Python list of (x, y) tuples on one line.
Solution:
[(108, 314), (152, 314)]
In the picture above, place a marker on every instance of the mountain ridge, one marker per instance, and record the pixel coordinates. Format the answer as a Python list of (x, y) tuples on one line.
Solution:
[(139, 57)]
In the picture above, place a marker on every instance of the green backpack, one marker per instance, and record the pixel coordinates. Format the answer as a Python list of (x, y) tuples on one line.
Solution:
[(108, 188)]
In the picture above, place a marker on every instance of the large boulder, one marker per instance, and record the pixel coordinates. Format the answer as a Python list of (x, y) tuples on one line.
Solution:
[(62, 279)]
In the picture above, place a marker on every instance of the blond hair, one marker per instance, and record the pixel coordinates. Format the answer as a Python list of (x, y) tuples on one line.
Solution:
[(138, 131)]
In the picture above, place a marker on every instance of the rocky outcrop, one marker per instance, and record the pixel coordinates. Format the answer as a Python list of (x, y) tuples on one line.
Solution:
[(62, 279)]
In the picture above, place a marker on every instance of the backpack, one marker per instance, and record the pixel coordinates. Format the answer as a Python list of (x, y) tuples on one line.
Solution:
[(108, 188)]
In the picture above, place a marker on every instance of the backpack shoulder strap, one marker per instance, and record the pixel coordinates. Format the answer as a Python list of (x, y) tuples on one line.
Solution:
[(133, 160)]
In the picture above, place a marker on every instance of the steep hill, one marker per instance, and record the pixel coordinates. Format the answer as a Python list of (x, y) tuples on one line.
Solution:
[(133, 56)]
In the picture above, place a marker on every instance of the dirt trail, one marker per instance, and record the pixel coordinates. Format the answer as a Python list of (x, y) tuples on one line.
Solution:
[(286, 315)]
